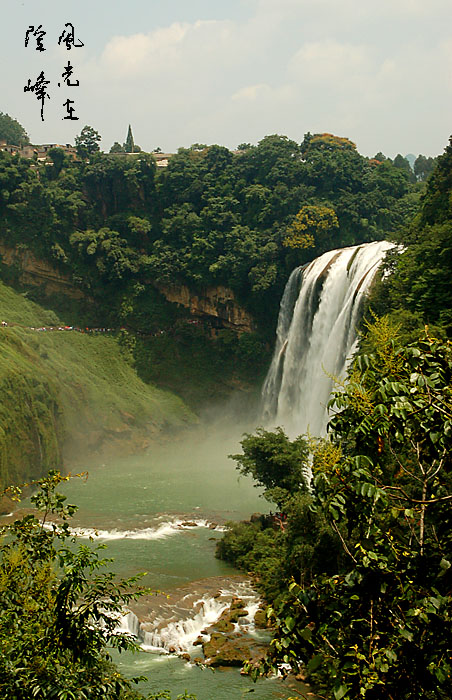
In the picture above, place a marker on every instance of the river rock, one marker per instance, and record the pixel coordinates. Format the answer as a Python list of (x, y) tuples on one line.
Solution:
[(260, 619), (224, 625), (221, 651), (236, 614)]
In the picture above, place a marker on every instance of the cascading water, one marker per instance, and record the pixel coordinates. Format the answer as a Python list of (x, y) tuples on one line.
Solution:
[(316, 336)]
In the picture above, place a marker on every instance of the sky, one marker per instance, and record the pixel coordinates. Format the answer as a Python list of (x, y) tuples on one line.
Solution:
[(378, 72)]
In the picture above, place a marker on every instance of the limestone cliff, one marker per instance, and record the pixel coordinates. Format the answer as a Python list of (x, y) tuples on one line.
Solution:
[(216, 303), (36, 272)]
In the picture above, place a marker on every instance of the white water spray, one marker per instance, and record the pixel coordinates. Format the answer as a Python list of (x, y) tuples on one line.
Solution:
[(316, 336), (178, 634)]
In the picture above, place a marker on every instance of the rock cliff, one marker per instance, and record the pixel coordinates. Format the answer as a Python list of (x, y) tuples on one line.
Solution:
[(36, 272), (217, 304)]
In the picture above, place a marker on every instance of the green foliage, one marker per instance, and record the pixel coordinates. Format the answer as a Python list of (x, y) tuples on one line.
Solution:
[(423, 167), (87, 142), (11, 131), (59, 611), (212, 217), (274, 462), (404, 165), (380, 626), (130, 146), (117, 148), (312, 226), (295, 543), (418, 288), (67, 391), (251, 547)]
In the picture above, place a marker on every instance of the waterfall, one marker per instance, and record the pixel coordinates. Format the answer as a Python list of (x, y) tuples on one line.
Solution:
[(316, 336)]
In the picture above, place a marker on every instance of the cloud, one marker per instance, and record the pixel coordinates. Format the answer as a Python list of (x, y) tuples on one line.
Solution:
[(328, 61), (372, 72), (131, 55), (251, 92)]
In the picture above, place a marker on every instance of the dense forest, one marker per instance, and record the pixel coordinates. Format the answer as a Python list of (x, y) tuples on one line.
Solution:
[(242, 219), (359, 568), (356, 569), (122, 229)]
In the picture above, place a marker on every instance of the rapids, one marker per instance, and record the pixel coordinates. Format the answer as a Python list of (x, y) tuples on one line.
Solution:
[(162, 512)]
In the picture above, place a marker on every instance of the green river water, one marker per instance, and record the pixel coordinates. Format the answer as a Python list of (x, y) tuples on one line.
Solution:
[(138, 506)]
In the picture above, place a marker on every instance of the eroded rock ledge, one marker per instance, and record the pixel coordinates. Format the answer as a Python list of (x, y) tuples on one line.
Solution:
[(217, 303)]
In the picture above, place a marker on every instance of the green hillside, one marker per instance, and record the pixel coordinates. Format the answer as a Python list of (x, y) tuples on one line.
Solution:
[(66, 392)]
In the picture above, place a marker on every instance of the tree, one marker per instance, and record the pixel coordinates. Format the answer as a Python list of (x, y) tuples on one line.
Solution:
[(274, 462), (11, 131), (419, 286), (404, 165), (387, 496), (58, 611), (325, 142), (87, 143), (130, 146), (312, 226), (423, 167), (117, 148), (57, 157)]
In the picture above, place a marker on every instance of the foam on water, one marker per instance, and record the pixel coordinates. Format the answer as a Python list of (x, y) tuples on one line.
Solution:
[(163, 530), (178, 636)]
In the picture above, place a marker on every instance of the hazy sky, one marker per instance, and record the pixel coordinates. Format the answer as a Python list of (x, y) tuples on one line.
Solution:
[(186, 71)]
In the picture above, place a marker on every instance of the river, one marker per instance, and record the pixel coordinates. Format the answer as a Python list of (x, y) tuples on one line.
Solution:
[(162, 512)]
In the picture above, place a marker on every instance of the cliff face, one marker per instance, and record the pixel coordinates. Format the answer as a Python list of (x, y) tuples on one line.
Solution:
[(33, 271), (217, 304)]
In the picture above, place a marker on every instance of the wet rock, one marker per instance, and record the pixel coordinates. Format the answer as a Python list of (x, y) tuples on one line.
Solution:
[(198, 642), (188, 523), (221, 651), (235, 615), (198, 660), (185, 656), (212, 526), (237, 603), (260, 619), (224, 625)]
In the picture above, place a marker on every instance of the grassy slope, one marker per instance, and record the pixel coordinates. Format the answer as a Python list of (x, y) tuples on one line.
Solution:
[(68, 391)]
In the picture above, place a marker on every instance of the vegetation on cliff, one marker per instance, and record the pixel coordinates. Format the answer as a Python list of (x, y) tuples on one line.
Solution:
[(66, 392), (119, 229), (359, 567), (418, 290), (212, 217)]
